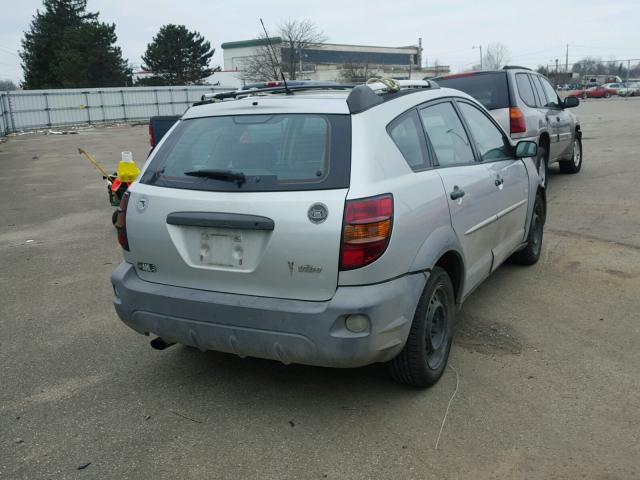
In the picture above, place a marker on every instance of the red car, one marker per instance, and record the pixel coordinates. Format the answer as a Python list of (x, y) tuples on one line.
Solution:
[(593, 92)]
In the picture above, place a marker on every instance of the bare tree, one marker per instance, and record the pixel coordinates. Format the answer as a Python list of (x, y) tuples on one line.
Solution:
[(7, 85), (296, 36), (496, 56), (263, 65), (355, 72)]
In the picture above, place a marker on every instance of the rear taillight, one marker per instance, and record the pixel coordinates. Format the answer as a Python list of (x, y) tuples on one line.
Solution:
[(152, 140), (366, 230), (516, 120), (121, 222)]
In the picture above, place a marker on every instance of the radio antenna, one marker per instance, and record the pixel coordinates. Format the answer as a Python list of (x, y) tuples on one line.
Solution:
[(275, 60)]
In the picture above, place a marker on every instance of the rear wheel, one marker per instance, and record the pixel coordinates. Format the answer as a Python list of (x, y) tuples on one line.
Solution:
[(531, 253), (607, 95), (424, 357), (575, 164), (584, 95)]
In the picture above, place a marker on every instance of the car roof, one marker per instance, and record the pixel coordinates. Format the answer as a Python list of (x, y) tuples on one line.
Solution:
[(313, 101)]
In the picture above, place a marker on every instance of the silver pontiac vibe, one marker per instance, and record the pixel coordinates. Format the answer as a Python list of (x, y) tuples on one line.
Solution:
[(336, 226)]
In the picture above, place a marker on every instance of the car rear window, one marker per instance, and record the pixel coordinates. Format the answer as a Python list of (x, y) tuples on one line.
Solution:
[(273, 152), (490, 89)]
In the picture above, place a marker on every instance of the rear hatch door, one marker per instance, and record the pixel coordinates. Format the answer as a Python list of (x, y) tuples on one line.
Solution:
[(268, 225)]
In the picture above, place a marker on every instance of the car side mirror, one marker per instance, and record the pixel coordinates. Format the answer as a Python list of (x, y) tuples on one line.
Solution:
[(571, 102), (525, 149)]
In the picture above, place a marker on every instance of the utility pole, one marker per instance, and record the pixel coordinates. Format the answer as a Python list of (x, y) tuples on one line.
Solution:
[(480, 47), (628, 69), (566, 61), (557, 67)]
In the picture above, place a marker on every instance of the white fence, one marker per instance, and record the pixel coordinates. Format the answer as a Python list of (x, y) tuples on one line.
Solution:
[(34, 109)]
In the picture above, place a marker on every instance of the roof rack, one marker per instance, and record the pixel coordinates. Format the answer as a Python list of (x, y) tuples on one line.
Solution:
[(361, 98), (236, 94), (515, 67), (377, 91)]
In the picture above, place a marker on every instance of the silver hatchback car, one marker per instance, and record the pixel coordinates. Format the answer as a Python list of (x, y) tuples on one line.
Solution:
[(336, 226)]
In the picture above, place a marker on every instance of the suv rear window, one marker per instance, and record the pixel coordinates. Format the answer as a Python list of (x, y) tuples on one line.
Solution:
[(273, 152), (490, 89)]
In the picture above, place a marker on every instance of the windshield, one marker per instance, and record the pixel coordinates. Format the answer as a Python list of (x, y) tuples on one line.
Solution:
[(271, 152)]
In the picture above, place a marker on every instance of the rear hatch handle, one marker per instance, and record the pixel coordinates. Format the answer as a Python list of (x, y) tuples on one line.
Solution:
[(237, 221)]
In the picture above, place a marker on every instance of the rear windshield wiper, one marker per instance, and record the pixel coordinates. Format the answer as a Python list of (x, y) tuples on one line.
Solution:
[(224, 175)]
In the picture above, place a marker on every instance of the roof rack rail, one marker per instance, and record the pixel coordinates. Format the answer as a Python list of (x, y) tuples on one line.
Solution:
[(361, 98), (235, 94), (515, 67)]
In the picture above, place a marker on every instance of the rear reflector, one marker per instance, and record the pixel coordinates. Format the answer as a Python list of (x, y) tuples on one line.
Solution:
[(459, 75), (152, 140), (366, 230), (516, 120), (121, 222)]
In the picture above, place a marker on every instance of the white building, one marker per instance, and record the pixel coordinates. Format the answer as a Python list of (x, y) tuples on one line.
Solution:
[(326, 61)]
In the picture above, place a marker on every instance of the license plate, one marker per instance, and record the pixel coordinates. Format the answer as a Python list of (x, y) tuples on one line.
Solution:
[(221, 248)]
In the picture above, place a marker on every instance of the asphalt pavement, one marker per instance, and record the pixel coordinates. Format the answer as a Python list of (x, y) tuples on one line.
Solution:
[(543, 381)]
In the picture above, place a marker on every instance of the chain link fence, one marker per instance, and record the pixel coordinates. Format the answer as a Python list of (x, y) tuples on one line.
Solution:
[(24, 110)]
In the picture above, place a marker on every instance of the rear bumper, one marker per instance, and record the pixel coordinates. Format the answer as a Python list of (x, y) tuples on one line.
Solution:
[(291, 331)]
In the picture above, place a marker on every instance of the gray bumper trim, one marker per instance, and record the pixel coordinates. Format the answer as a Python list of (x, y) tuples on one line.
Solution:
[(291, 331)]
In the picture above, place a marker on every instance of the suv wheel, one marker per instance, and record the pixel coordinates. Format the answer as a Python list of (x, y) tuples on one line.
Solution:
[(424, 357), (531, 253), (543, 165), (575, 164)]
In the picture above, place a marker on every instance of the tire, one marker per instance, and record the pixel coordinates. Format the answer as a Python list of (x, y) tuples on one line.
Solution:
[(114, 216), (424, 357), (542, 163), (607, 95), (531, 253), (575, 164), (584, 95)]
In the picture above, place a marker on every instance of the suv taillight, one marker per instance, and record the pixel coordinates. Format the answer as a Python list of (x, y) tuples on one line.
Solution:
[(366, 230), (121, 222), (516, 120)]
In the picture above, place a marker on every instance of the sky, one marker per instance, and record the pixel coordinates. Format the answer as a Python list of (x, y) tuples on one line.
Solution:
[(535, 33)]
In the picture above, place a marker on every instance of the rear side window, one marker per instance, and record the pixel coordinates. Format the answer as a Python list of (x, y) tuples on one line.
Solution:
[(525, 90), (447, 135), (490, 89), (408, 136), (542, 100), (273, 152)]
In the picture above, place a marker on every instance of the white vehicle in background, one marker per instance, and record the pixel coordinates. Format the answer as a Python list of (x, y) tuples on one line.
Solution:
[(629, 89)]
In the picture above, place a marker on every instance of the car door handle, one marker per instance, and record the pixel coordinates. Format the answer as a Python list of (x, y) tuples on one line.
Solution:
[(499, 181), (457, 193)]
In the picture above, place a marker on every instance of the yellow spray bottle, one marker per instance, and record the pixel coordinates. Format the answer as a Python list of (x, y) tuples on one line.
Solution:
[(127, 169)]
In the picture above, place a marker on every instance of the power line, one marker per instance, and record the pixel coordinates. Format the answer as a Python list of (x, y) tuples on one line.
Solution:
[(10, 52)]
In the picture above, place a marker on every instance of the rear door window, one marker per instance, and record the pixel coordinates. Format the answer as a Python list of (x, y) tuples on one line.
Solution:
[(408, 136), (447, 135), (542, 100), (525, 90), (273, 152), (490, 89)]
